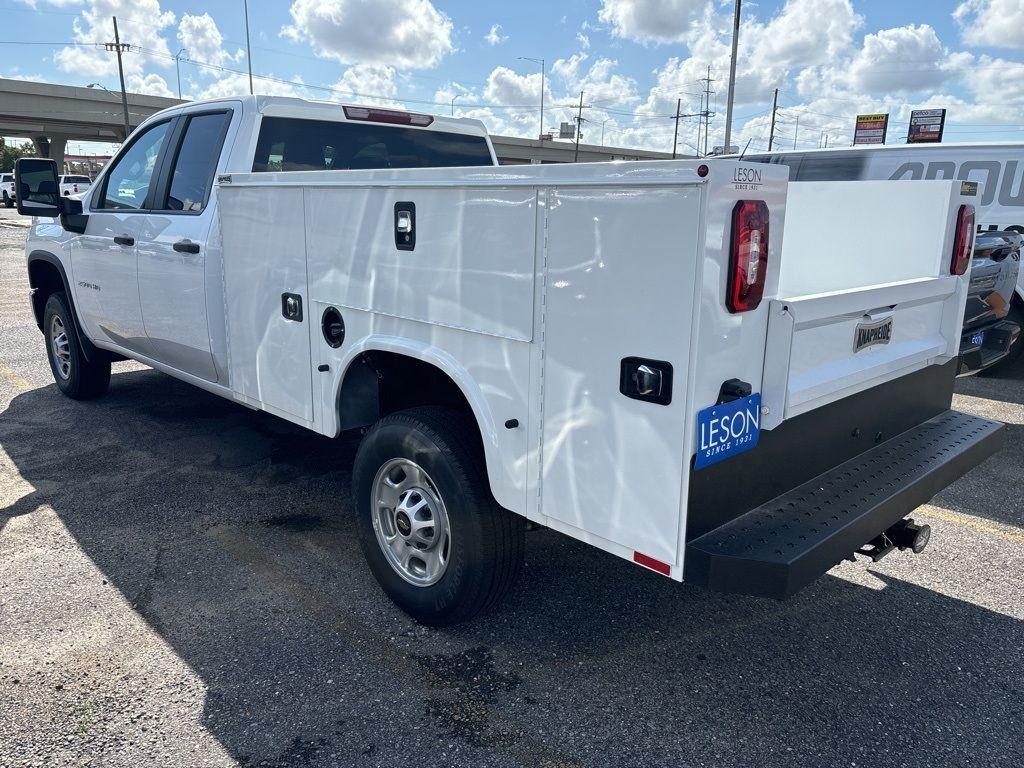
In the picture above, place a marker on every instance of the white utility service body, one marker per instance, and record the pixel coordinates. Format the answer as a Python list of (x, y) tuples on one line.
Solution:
[(699, 367), (529, 285)]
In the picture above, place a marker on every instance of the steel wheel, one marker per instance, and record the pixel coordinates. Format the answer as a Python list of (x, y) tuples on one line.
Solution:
[(411, 523), (60, 347)]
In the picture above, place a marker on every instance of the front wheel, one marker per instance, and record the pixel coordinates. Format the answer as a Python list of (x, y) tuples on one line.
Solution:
[(76, 377), (435, 539)]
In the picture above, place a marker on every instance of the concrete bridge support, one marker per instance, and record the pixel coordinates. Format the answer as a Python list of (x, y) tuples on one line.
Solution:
[(52, 146)]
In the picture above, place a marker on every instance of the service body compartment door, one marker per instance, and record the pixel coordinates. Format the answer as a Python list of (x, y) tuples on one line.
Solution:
[(620, 283), (265, 267)]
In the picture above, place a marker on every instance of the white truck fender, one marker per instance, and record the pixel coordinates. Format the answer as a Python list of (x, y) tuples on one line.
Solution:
[(497, 472)]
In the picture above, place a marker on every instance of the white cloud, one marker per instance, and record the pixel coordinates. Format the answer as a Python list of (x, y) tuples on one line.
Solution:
[(151, 84), (494, 37), (237, 84), (369, 84), (204, 42), (998, 23), (399, 33), (140, 24), (804, 32), (656, 21), (583, 40), (904, 60)]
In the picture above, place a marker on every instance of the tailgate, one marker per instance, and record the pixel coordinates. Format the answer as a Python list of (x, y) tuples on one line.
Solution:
[(865, 295), (826, 347)]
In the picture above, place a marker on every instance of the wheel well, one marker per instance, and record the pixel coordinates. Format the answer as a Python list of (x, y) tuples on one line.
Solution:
[(379, 383), (45, 279)]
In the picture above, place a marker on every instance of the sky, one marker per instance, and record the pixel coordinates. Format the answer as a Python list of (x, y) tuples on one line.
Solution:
[(633, 59)]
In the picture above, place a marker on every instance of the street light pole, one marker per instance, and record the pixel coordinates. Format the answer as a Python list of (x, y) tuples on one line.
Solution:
[(453, 103), (543, 70), (177, 68), (248, 48), (602, 129), (732, 75)]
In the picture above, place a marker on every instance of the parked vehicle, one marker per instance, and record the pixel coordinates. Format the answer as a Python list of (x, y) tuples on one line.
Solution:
[(74, 185), (656, 358), (7, 189), (993, 318), (992, 332)]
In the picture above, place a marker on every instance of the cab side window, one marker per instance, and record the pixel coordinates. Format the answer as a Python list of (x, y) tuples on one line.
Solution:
[(127, 183), (196, 162)]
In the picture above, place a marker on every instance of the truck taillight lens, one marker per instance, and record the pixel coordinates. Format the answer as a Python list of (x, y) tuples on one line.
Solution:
[(963, 243), (748, 256), (393, 116)]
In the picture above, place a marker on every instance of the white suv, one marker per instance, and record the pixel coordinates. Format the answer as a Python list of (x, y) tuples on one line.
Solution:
[(74, 185), (7, 189)]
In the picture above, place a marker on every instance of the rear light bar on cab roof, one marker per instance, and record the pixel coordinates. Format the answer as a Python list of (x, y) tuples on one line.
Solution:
[(393, 116), (748, 256), (963, 243)]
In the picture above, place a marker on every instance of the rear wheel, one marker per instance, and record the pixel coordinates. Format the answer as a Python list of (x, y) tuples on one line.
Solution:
[(76, 377), (435, 539), (8, 201)]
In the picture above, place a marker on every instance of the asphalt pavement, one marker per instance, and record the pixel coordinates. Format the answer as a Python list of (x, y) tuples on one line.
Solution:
[(181, 585)]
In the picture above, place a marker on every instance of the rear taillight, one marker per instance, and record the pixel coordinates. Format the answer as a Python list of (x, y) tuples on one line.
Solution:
[(963, 243), (394, 116), (748, 256)]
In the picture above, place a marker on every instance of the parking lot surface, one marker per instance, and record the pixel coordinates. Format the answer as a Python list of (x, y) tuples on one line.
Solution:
[(181, 585)]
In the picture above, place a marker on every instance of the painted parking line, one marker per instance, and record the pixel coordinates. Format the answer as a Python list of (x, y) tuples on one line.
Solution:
[(970, 522)]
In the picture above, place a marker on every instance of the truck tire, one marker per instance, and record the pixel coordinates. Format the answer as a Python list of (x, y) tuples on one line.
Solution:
[(8, 201), (433, 535), (76, 377), (1015, 315)]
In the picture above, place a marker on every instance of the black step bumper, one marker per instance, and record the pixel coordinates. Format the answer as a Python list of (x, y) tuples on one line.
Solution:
[(786, 543)]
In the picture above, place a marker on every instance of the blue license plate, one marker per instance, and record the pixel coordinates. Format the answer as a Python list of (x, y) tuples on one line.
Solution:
[(725, 430), (978, 339)]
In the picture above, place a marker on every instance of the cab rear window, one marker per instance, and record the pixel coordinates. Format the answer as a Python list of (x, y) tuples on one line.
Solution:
[(76, 180), (290, 144)]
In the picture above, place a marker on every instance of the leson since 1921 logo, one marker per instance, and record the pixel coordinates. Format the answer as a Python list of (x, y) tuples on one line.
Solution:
[(744, 178)]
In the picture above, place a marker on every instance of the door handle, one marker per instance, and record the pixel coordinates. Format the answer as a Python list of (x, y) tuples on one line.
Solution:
[(124, 240), (186, 246)]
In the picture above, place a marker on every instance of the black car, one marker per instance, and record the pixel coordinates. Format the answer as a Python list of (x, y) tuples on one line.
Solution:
[(992, 320)]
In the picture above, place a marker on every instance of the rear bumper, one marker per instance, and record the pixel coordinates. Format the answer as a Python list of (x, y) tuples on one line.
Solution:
[(998, 338), (789, 541)]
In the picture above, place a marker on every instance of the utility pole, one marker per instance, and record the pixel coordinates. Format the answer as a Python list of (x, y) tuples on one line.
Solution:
[(826, 141), (675, 134), (248, 48), (177, 68), (117, 46), (796, 131), (775, 108), (706, 112), (732, 74), (579, 130)]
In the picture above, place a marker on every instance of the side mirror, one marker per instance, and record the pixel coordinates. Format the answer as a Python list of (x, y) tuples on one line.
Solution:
[(37, 191), (37, 187)]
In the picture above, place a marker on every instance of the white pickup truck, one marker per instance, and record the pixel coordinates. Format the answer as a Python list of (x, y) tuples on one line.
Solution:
[(718, 375)]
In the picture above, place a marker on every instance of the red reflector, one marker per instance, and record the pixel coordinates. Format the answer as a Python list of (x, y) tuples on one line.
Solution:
[(963, 243), (703, 170), (748, 256), (394, 116), (649, 562)]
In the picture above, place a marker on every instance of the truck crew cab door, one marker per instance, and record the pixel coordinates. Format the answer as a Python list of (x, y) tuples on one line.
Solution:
[(104, 257), (175, 237)]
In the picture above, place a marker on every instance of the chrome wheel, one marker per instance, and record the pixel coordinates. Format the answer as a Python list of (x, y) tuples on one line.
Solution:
[(60, 347), (411, 523)]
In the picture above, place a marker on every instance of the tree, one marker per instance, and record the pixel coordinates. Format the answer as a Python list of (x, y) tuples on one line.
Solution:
[(9, 154)]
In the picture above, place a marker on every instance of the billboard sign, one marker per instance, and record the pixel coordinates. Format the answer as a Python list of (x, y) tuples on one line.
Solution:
[(871, 129), (926, 126), (566, 131)]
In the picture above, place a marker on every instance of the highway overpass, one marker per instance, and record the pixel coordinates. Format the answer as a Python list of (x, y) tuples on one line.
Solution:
[(51, 115)]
